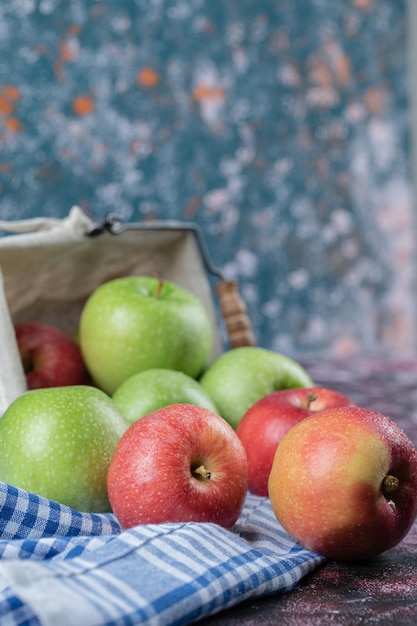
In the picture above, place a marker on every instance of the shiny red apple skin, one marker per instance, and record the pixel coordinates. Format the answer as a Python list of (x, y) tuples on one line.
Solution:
[(328, 483), (152, 478), (268, 420), (50, 357)]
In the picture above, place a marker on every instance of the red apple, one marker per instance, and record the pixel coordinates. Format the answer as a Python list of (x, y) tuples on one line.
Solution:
[(344, 483), (50, 357), (179, 463), (265, 423)]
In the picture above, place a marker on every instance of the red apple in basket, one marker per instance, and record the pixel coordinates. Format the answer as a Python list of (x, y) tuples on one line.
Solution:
[(265, 423), (344, 483), (179, 463), (50, 357)]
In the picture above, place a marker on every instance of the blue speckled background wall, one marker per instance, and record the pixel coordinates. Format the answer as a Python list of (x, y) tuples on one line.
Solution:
[(282, 128)]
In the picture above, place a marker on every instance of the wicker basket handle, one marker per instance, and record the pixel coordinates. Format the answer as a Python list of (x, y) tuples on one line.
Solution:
[(234, 312)]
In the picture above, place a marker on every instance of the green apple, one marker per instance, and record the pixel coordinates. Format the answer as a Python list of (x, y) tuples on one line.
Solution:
[(58, 442), (135, 323), (153, 389), (242, 376)]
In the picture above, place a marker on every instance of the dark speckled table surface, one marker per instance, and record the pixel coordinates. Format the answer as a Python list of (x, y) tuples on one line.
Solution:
[(382, 591)]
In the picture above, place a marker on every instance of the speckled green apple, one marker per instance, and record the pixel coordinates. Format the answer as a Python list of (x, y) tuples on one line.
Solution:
[(240, 377), (135, 323), (155, 388), (58, 443)]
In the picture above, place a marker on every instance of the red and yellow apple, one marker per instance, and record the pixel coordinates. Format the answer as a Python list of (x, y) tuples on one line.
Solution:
[(267, 421), (179, 463), (344, 483)]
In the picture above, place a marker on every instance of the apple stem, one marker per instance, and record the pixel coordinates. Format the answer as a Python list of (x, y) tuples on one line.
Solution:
[(159, 288), (201, 473), (311, 396), (390, 484)]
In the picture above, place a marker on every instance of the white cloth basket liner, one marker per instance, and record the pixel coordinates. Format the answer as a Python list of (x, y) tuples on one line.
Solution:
[(49, 267)]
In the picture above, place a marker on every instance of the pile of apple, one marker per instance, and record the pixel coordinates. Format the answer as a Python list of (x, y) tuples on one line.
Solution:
[(132, 417)]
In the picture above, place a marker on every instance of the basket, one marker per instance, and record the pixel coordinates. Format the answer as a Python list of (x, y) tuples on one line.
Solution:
[(49, 267)]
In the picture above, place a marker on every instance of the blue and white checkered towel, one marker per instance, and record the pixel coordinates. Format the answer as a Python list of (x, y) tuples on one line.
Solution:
[(60, 566)]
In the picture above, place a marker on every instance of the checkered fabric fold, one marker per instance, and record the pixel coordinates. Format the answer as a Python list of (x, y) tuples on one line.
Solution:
[(60, 566)]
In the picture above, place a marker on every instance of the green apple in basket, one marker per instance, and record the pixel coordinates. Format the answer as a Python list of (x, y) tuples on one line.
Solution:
[(58, 442), (135, 323), (240, 377), (153, 389)]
